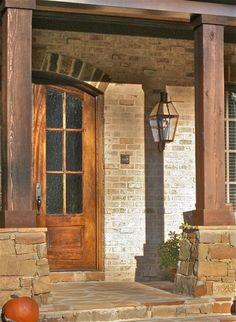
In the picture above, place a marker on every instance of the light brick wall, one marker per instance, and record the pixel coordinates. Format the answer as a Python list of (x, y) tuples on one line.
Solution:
[(179, 161), (124, 183), (127, 59)]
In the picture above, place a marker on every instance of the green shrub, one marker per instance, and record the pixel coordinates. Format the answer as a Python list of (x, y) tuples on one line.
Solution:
[(168, 251)]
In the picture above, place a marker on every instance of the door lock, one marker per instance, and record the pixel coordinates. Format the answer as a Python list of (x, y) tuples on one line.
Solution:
[(38, 198)]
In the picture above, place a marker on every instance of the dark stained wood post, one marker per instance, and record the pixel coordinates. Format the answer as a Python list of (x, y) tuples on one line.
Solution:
[(209, 114), (16, 113)]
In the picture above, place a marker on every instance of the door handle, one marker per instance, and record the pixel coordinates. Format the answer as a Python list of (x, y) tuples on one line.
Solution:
[(38, 198)]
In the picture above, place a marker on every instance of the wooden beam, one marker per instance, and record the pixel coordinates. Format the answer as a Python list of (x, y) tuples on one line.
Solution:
[(160, 7), (111, 25), (118, 25), (209, 116), (17, 118), (231, 2), (22, 4)]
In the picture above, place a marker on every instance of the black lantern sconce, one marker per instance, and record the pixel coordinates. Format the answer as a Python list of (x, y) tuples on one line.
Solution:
[(163, 121)]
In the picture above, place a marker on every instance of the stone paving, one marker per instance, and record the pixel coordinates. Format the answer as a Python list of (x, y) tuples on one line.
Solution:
[(126, 301), (213, 318)]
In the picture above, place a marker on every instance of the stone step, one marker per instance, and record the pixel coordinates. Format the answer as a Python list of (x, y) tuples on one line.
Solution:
[(76, 276), (102, 301), (128, 312), (208, 318)]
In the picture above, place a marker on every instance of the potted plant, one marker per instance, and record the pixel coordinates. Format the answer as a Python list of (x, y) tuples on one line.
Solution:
[(168, 253)]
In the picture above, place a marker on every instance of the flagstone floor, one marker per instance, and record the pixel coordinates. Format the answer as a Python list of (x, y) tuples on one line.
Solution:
[(123, 301)]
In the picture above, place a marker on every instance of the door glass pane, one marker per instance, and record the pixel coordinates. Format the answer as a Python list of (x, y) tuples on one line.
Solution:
[(54, 109), (232, 166), (54, 151), (54, 203), (73, 112), (232, 104), (74, 151), (74, 194), (232, 195), (232, 135)]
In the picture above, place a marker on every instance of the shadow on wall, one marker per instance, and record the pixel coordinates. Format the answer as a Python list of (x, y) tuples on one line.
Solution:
[(147, 265), (233, 308)]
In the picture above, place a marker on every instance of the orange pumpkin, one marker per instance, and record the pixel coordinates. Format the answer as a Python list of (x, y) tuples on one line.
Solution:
[(21, 309)]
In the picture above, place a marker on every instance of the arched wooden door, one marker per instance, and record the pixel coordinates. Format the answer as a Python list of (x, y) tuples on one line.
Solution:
[(64, 153)]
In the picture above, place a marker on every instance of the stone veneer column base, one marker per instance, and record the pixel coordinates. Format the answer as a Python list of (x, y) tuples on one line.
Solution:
[(24, 266), (207, 262)]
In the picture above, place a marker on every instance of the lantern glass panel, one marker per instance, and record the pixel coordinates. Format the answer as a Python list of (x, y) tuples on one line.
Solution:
[(154, 129), (164, 127), (163, 120)]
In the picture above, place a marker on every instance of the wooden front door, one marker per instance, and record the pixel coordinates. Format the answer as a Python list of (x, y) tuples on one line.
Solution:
[(65, 171)]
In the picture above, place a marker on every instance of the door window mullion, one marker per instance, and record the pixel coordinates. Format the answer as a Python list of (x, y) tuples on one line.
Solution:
[(64, 154)]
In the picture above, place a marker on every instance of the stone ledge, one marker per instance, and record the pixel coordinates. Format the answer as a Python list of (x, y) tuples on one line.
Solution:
[(231, 227)]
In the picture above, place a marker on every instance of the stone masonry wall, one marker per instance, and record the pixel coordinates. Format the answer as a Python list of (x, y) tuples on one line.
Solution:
[(207, 264), (124, 183), (24, 266)]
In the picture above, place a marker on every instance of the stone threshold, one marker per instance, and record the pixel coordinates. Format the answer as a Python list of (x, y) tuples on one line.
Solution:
[(76, 276), (23, 230)]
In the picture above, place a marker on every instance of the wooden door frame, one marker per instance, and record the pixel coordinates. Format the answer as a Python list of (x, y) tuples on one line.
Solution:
[(45, 78)]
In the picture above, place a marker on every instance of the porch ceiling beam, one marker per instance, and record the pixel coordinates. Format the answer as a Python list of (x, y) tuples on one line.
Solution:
[(112, 25), (177, 9), (118, 25)]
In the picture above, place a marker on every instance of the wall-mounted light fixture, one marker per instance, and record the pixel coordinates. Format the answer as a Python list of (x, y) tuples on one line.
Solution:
[(163, 121)]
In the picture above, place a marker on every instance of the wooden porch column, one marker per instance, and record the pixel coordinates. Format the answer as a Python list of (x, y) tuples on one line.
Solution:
[(16, 113), (209, 111)]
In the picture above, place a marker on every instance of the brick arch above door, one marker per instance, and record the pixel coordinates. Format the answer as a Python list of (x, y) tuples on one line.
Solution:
[(71, 67)]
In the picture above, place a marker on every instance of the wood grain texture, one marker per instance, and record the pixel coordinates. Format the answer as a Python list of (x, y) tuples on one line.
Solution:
[(39, 150), (172, 9), (209, 118), (16, 111), (72, 239), (100, 180), (22, 4)]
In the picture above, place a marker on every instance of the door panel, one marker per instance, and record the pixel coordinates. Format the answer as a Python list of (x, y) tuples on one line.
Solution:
[(64, 165)]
